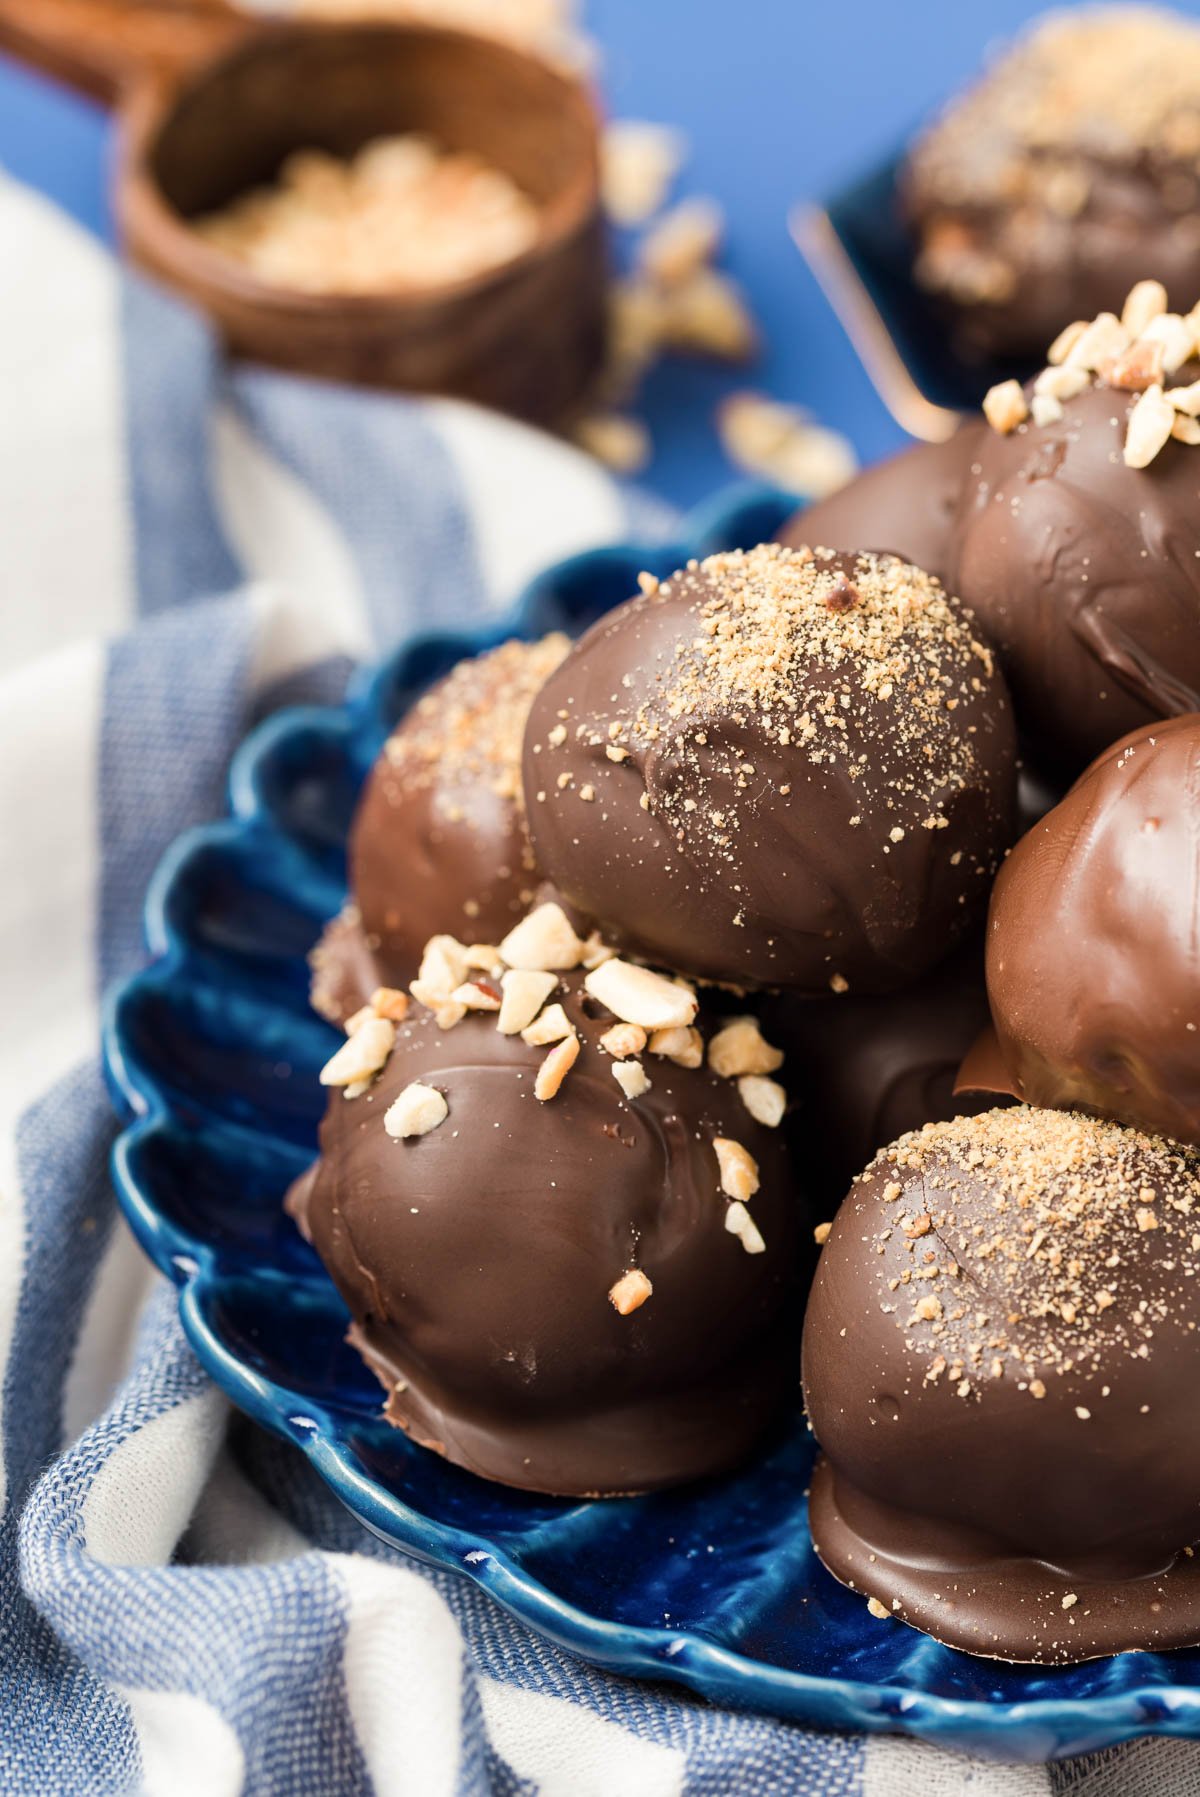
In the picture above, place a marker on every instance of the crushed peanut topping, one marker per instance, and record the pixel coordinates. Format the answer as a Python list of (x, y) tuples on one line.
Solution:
[(1135, 353), (783, 642), (1033, 1238), (466, 732), (1022, 150)]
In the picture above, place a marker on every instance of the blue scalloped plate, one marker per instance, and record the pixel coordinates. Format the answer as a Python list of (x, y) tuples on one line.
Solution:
[(213, 1053)]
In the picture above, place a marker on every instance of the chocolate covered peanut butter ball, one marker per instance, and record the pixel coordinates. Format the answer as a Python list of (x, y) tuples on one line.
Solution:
[(1093, 961), (1000, 1360), (439, 839), (558, 1201), (1070, 171), (779, 767), (1076, 542)]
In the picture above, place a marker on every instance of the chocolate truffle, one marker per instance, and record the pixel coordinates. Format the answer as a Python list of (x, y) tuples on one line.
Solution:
[(872, 1068), (778, 767), (1000, 1360), (1076, 539), (1071, 170), (905, 505), (439, 838), (1093, 963), (570, 1253)]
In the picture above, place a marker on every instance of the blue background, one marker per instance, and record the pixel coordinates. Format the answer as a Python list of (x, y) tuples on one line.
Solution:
[(779, 99)]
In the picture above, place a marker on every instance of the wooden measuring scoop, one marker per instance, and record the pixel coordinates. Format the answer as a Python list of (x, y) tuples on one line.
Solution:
[(210, 102)]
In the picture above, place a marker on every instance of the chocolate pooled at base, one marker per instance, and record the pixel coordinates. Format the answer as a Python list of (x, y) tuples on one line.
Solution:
[(1093, 963), (557, 1284), (1000, 1356), (439, 838), (1066, 174), (779, 767)]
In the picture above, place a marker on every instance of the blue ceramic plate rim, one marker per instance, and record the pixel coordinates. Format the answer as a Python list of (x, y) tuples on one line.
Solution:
[(1029, 1730)]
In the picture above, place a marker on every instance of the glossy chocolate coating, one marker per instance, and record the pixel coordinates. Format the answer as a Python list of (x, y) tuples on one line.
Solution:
[(868, 1069), (1084, 575), (439, 840), (1068, 173), (905, 504), (779, 828), (1013, 1471), (1093, 962), (477, 1261)]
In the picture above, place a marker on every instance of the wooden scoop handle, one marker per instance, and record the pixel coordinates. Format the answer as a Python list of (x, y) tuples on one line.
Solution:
[(103, 47)]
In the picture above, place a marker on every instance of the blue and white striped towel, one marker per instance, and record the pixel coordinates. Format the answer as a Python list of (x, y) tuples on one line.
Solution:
[(184, 1610)]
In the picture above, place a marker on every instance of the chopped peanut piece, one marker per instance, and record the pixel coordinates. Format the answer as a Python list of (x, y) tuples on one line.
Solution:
[(623, 1039), (1172, 333), (595, 952), (821, 1234), (739, 1169), (682, 241), (632, 1078), (630, 1292), (1061, 383), (639, 160), (877, 1609), (1004, 406), (358, 1019), (555, 1067), (739, 1222), (636, 995), (443, 965), (1150, 425), (707, 314), (550, 1026), (543, 942), (362, 1054), (1065, 342), (1185, 429), (683, 1046), (417, 1110), (446, 1009), (1144, 301), (1185, 399), (617, 439), (482, 957), (475, 997), (390, 1002), (524, 994), (1099, 341), (765, 1099), (741, 1048)]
